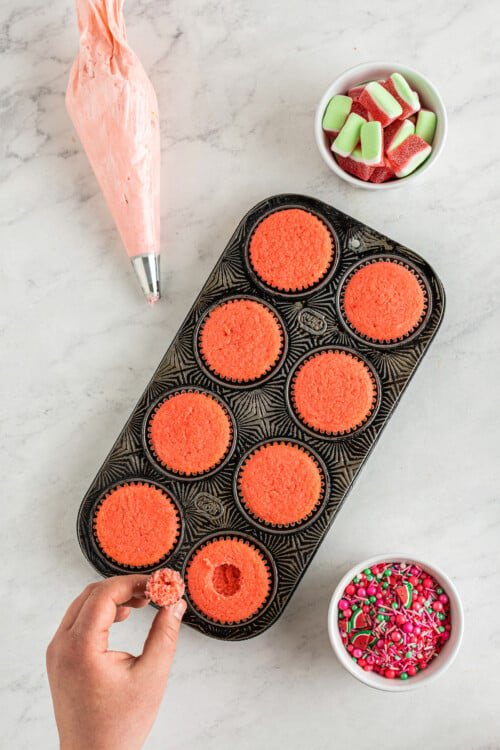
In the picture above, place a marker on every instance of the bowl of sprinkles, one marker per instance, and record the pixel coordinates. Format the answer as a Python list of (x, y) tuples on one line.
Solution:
[(395, 622)]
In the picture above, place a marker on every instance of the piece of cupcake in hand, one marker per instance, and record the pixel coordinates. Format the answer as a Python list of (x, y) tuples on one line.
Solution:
[(165, 587)]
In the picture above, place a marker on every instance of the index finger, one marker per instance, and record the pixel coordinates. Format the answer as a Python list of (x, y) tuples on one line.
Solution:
[(99, 609)]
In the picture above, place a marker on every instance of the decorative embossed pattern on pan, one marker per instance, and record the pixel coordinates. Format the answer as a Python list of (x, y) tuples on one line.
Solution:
[(262, 411)]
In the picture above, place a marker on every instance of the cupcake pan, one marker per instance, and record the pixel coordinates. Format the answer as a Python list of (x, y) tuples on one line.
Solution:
[(262, 410)]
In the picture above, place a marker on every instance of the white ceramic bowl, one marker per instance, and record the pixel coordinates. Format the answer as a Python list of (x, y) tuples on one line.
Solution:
[(436, 667), (429, 97)]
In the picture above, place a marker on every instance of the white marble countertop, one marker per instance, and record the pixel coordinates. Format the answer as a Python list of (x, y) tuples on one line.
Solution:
[(237, 84)]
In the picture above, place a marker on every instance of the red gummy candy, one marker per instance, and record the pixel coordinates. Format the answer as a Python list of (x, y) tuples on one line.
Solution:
[(359, 109), (376, 113), (355, 93), (401, 156), (382, 174), (356, 168)]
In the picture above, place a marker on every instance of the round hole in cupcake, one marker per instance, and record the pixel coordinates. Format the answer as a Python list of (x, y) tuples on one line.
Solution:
[(137, 525), (228, 579), (291, 251), (384, 300), (334, 392), (281, 484), (241, 340), (189, 432)]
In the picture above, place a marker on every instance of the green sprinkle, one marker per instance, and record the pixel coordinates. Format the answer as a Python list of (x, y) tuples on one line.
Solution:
[(380, 618), (439, 591), (385, 585), (369, 578), (403, 676), (441, 616), (408, 655), (394, 605), (367, 571), (373, 598), (355, 607), (356, 579), (341, 616), (441, 629), (387, 572), (354, 659)]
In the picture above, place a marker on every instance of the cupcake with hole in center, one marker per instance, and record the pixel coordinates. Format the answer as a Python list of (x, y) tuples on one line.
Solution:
[(228, 580), (280, 484), (383, 300), (241, 340), (334, 392), (137, 525), (190, 433), (291, 250)]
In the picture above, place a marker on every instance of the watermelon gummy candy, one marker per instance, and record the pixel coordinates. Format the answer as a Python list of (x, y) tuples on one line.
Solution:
[(398, 86), (355, 165), (372, 144), (360, 110), (382, 174), (355, 92), (380, 104), (426, 125), (336, 114), (396, 132), (409, 155), (348, 137), (380, 110)]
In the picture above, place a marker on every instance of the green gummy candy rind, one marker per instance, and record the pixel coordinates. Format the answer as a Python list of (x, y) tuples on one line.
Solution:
[(348, 137), (384, 100), (404, 91), (371, 142), (426, 125), (336, 112)]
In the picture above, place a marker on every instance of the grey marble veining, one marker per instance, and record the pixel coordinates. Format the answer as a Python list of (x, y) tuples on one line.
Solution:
[(237, 84)]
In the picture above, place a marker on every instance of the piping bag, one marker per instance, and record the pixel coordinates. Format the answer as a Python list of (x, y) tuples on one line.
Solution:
[(113, 106)]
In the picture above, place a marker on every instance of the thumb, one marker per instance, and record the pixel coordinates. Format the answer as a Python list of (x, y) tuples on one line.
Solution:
[(159, 648)]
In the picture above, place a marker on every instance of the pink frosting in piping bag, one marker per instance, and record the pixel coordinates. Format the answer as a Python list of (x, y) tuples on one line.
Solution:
[(115, 111)]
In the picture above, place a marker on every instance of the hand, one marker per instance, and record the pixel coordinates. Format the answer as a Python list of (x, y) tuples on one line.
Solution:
[(108, 700)]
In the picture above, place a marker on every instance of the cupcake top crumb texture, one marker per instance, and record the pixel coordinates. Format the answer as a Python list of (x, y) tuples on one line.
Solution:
[(241, 340), (384, 301), (280, 483), (165, 587), (136, 525), (190, 433), (291, 250), (333, 392)]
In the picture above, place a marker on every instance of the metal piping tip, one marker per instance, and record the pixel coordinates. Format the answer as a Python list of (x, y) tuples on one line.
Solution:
[(147, 270)]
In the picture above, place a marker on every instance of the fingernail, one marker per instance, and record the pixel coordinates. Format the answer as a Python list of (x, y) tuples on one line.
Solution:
[(179, 608)]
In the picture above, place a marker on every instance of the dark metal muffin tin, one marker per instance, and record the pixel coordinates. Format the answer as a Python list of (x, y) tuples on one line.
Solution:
[(313, 320)]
